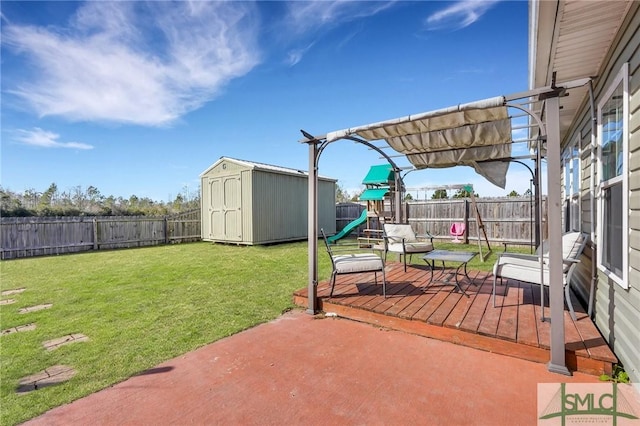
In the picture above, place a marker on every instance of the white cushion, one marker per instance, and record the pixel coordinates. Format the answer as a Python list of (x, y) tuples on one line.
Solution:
[(397, 232), (571, 245), (530, 274), (410, 247), (360, 262)]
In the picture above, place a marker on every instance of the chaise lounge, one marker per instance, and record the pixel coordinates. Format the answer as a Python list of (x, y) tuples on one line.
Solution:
[(523, 267)]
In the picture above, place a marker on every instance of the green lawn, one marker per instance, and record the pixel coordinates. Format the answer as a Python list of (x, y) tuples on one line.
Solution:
[(140, 307)]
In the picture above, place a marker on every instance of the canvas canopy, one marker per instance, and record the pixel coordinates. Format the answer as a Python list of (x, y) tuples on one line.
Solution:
[(469, 134)]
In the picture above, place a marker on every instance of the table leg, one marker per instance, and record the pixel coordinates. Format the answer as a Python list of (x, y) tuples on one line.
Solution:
[(467, 275), (456, 275)]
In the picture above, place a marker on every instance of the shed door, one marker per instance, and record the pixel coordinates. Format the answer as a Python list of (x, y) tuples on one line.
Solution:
[(226, 208)]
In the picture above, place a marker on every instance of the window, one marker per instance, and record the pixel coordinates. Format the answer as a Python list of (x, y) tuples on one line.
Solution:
[(571, 160), (613, 214)]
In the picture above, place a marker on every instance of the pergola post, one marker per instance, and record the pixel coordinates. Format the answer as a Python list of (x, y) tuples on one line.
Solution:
[(557, 363), (312, 234)]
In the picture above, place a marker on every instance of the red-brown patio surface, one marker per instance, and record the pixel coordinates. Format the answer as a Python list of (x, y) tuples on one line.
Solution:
[(301, 369)]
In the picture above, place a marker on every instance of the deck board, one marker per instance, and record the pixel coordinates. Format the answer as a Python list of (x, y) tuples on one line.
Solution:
[(457, 314), (527, 328), (513, 327)]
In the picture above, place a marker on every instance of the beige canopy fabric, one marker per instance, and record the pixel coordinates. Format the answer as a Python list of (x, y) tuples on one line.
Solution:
[(466, 134)]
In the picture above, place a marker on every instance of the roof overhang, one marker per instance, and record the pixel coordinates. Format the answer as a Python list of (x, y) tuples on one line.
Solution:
[(571, 38)]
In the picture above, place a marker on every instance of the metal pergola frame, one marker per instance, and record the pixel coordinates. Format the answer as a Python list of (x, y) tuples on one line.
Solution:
[(549, 135)]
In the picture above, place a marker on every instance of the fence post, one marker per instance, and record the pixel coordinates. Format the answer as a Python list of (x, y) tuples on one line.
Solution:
[(95, 233), (466, 221), (406, 213), (166, 230)]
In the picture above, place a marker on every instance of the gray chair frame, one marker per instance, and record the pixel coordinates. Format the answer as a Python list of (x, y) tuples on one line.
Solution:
[(346, 260), (524, 267), (405, 242)]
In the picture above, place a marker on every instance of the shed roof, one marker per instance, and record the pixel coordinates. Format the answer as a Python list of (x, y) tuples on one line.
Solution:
[(264, 167)]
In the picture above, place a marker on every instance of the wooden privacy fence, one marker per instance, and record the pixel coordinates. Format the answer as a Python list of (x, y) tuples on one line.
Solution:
[(347, 212), (38, 236), (506, 220)]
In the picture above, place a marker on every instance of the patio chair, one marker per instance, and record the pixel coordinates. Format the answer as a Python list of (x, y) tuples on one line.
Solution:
[(400, 238), (524, 267), (345, 261)]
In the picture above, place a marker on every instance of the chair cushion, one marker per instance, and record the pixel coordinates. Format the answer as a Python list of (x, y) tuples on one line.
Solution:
[(398, 231), (417, 247), (522, 268), (572, 245), (360, 262)]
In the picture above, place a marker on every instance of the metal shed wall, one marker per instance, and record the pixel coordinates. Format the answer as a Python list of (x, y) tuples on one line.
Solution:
[(244, 203), (280, 212)]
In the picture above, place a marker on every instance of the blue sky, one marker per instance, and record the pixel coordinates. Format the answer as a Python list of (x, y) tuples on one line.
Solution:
[(141, 97)]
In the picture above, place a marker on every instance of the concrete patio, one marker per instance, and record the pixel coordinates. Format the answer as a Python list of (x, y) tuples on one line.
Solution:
[(301, 369)]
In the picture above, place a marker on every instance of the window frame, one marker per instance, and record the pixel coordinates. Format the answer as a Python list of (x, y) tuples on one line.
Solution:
[(572, 163), (622, 78)]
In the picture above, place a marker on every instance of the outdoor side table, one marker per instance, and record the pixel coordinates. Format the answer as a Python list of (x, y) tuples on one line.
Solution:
[(461, 257)]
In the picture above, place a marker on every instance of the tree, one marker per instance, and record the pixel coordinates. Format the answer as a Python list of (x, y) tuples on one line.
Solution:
[(527, 193), (440, 194), (342, 196), (356, 195), (408, 197), (513, 193), (463, 193), (48, 197)]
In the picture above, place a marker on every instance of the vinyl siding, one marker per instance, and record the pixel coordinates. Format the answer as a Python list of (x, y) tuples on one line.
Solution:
[(617, 310)]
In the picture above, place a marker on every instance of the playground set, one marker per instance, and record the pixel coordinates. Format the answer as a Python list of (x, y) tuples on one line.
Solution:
[(379, 192), (379, 189)]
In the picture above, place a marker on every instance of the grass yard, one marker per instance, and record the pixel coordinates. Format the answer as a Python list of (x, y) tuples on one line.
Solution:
[(138, 307)]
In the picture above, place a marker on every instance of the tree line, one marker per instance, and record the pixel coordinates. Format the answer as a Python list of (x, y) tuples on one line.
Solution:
[(89, 201), (343, 196)]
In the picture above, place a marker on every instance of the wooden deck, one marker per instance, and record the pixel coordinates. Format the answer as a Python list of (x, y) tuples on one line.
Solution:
[(437, 310)]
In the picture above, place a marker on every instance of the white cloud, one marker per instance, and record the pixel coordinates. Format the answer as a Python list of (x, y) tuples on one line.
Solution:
[(519, 134), (45, 139), (306, 16), (312, 17), (459, 15), (295, 55), (133, 62)]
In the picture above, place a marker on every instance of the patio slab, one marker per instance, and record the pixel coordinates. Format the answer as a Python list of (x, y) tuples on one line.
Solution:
[(301, 369)]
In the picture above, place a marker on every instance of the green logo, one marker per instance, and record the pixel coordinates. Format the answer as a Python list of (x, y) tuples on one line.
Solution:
[(589, 404)]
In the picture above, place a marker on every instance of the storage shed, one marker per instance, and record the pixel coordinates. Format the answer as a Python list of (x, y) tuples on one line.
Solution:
[(245, 202)]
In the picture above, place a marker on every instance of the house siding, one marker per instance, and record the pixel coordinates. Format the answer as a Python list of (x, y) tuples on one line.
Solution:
[(616, 309)]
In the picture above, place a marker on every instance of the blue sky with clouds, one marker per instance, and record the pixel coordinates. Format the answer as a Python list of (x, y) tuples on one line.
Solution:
[(141, 97)]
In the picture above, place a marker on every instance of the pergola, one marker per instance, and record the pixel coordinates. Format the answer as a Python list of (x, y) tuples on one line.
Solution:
[(479, 135)]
